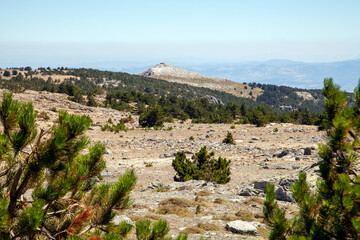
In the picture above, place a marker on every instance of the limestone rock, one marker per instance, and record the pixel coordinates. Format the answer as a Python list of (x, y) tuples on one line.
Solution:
[(121, 218), (242, 227)]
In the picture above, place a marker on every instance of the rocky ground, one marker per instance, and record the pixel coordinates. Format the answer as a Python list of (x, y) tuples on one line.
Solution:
[(275, 153)]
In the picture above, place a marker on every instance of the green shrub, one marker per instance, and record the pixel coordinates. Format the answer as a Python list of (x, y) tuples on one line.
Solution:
[(202, 166), (331, 211), (191, 138), (153, 117), (229, 139)]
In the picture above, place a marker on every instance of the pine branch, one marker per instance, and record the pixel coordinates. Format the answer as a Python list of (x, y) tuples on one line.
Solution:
[(79, 221)]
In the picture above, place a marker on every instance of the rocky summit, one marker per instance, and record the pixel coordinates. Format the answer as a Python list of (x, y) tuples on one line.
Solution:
[(171, 73)]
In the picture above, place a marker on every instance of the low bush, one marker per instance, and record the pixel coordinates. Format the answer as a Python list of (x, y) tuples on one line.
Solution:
[(229, 139), (202, 166)]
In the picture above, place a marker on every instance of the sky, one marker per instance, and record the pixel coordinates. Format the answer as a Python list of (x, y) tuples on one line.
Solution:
[(78, 33)]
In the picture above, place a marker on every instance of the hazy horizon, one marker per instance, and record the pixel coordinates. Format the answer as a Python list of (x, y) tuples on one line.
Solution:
[(117, 35)]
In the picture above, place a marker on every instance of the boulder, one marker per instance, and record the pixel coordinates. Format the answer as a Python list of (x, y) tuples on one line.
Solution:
[(242, 227), (283, 153), (249, 192), (261, 185), (284, 195), (307, 151), (121, 218)]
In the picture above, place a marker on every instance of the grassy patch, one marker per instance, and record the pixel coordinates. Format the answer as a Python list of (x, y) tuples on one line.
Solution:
[(221, 201), (245, 215), (193, 230), (202, 202), (254, 200), (264, 233), (204, 193), (210, 227), (150, 217), (172, 209), (180, 202), (226, 217)]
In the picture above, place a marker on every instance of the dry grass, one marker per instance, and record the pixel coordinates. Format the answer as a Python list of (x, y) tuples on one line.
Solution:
[(172, 209), (180, 202), (151, 217), (254, 200), (221, 201), (226, 217), (210, 227), (263, 232), (204, 193), (193, 230), (245, 216), (203, 202)]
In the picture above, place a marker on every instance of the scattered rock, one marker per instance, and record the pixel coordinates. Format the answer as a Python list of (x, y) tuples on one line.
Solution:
[(260, 185), (106, 173), (154, 185), (307, 151), (249, 192), (121, 218), (242, 227), (283, 153), (284, 195)]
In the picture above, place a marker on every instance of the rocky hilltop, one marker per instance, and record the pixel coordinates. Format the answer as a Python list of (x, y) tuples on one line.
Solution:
[(171, 73)]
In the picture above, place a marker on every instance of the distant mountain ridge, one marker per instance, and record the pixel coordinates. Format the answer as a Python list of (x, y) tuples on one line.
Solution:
[(286, 72)]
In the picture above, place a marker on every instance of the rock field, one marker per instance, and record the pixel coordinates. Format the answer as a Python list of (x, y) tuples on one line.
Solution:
[(213, 211)]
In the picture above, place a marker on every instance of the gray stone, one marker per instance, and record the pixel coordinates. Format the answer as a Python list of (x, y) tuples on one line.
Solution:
[(283, 153), (108, 151), (284, 195), (171, 154), (242, 227), (260, 185), (154, 185), (307, 151), (247, 192), (287, 183), (106, 173), (121, 218)]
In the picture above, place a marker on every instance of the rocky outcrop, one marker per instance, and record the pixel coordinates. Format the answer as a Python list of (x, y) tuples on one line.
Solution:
[(171, 73), (242, 227)]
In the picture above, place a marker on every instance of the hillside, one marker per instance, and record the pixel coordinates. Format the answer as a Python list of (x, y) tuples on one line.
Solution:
[(261, 156), (183, 84), (174, 74)]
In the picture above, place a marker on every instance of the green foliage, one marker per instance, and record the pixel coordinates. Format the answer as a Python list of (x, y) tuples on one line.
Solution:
[(144, 231), (152, 117), (229, 139), (7, 73), (66, 189), (202, 166), (332, 211)]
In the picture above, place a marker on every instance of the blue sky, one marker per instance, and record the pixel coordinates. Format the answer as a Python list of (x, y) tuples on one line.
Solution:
[(75, 33)]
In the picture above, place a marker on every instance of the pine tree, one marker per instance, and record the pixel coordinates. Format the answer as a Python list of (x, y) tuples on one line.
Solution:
[(202, 166), (229, 139), (49, 163), (68, 201), (332, 211)]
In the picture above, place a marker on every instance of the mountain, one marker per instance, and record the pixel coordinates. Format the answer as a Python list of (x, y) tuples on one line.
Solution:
[(286, 72), (83, 81), (174, 74)]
